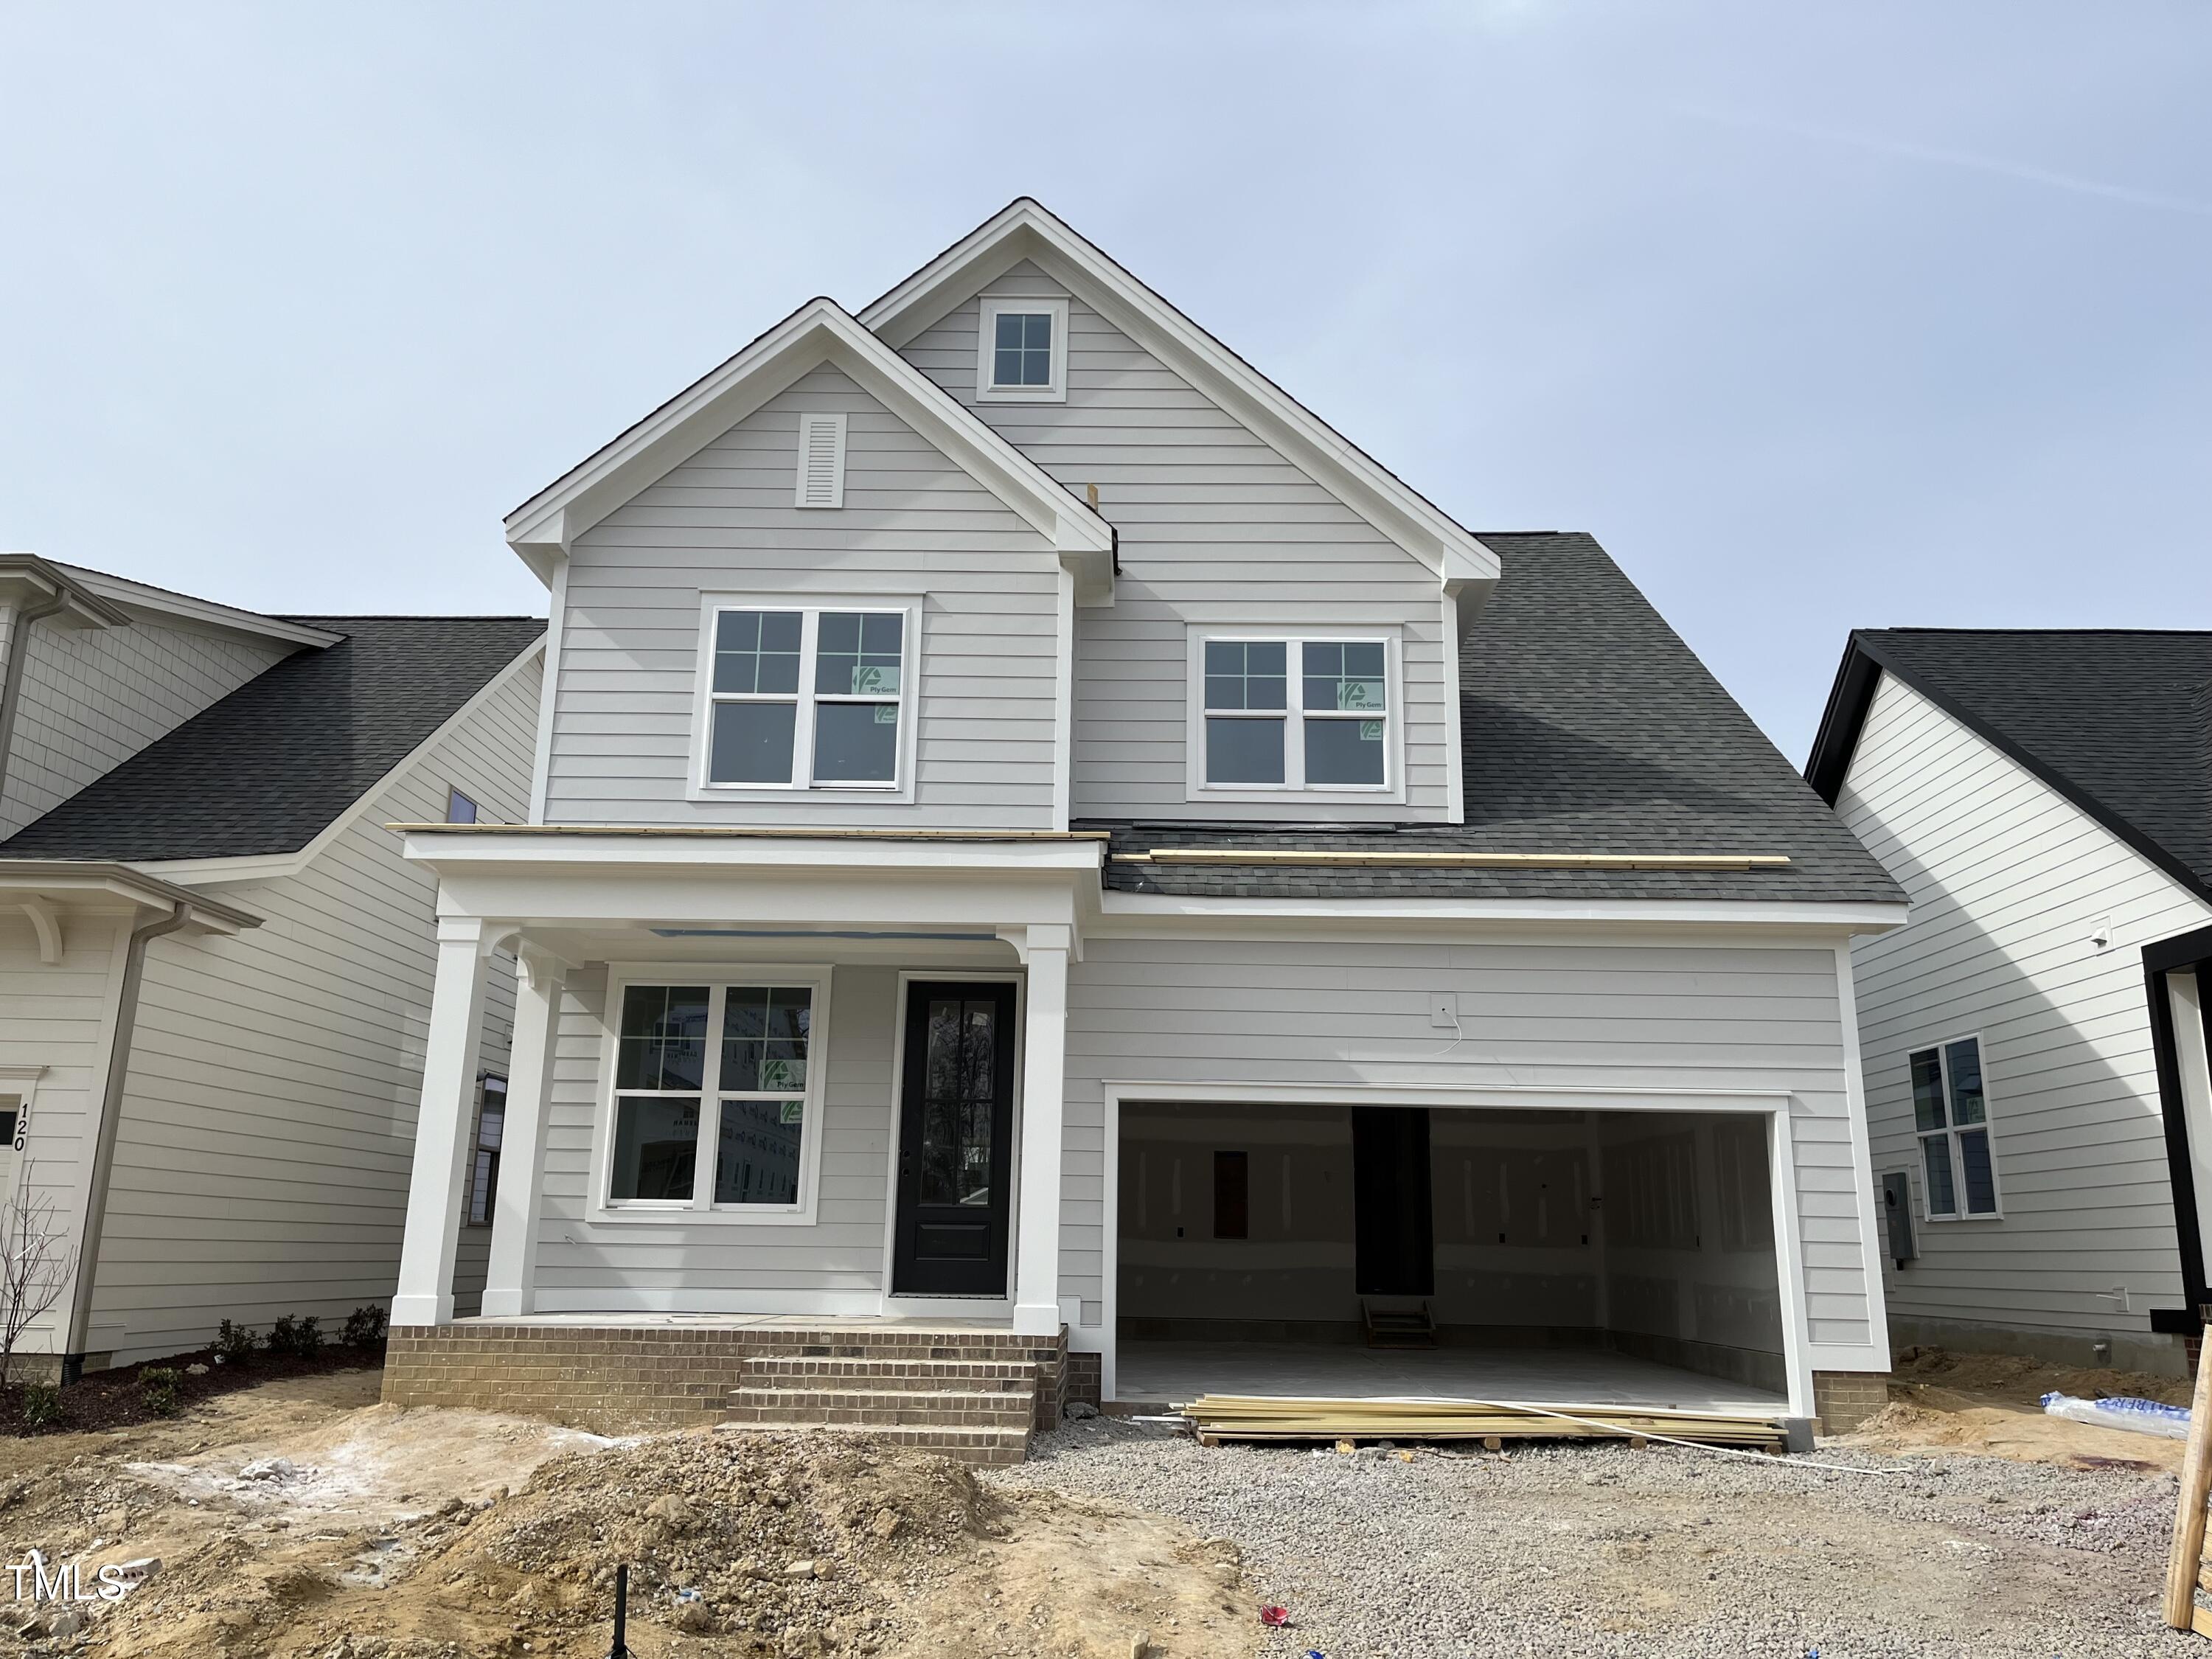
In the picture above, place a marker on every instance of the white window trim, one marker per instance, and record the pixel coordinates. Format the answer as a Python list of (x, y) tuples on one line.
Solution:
[(809, 607), (1928, 1212), (700, 1208), (22, 1083), (1393, 787), (987, 333)]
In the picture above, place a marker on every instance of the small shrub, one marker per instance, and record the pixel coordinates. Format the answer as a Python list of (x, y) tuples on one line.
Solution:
[(157, 1385), (297, 1339), (235, 1343), (42, 1404), (365, 1327)]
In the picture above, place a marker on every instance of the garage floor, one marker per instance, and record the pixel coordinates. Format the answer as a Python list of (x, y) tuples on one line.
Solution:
[(1177, 1372)]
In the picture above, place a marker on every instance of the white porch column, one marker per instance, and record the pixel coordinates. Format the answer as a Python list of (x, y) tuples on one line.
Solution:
[(511, 1278), (441, 1127), (1044, 1071)]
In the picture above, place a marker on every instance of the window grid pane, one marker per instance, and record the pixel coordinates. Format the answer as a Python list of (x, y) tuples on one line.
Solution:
[(752, 742), (1344, 676), (1344, 752), (765, 1032), (656, 1151), (856, 743), (1927, 1090), (758, 1152), (756, 652), (1963, 1060), (857, 654), (663, 1041), (1021, 349), (1246, 674), (1942, 1198), (1980, 1180)]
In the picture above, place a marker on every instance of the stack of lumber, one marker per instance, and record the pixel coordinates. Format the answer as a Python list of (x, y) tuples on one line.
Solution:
[(1219, 1417)]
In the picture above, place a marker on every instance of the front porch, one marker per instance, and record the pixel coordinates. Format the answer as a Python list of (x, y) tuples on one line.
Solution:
[(780, 1113)]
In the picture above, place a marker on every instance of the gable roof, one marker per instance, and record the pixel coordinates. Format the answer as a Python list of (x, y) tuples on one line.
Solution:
[(1025, 229), (271, 765), (542, 528), (1588, 727), (2116, 720)]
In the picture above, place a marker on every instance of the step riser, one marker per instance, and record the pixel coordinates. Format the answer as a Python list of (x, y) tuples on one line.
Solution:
[(980, 1447), (1012, 1410), (917, 1374)]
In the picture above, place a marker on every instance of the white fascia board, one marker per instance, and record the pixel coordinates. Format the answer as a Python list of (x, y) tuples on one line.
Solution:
[(615, 852), (27, 580), (271, 867), (1026, 230), (81, 881), (1125, 913), (206, 613), (544, 528)]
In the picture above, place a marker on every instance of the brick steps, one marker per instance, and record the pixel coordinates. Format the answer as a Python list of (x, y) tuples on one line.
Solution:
[(981, 1411), (977, 1446), (892, 1407)]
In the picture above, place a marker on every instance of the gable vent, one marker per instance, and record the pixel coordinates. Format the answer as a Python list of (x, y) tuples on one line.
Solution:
[(822, 460)]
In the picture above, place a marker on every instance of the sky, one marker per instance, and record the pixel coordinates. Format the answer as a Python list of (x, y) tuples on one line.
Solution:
[(1820, 316)]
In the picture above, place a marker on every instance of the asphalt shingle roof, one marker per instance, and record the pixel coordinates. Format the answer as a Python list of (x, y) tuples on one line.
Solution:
[(2119, 720), (265, 768), (1588, 727)]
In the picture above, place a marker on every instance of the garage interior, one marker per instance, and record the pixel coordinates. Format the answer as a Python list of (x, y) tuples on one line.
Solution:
[(1623, 1257)]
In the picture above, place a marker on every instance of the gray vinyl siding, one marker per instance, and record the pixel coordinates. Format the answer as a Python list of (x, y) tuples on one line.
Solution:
[(1216, 527), (1658, 1017), (2007, 878), (720, 1266), (724, 521), (268, 1127), (93, 698), (62, 1018)]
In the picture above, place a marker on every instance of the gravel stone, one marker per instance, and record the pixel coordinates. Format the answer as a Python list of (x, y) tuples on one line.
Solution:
[(1589, 1550)]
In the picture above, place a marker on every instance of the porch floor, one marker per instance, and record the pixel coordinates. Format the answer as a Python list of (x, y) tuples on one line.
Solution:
[(1160, 1373), (717, 1321)]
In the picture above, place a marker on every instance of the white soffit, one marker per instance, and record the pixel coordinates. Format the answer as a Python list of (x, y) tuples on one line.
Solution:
[(1027, 230), (542, 528)]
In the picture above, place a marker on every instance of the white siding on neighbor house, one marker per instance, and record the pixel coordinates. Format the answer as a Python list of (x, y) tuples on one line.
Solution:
[(1216, 527), (1685, 1017), (719, 1265), (2006, 880), (268, 1127), (93, 698), (62, 1018), (724, 522)]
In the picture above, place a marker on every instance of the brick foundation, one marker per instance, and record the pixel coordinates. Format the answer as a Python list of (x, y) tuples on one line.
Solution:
[(613, 1379), (1086, 1378), (1843, 1399)]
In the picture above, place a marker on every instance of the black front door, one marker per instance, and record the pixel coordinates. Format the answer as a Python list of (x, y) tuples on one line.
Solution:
[(956, 1140), (1395, 1251)]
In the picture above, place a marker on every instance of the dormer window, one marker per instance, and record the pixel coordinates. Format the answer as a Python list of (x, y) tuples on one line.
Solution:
[(1021, 351), (1282, 713)]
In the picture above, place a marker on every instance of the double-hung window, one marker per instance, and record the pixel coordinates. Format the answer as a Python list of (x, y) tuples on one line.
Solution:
[(716, 1096), (1950, 1111), (1295, 714), (806, 698)]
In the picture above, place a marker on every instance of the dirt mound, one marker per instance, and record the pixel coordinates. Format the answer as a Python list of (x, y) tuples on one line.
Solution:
[(2024, 1382)]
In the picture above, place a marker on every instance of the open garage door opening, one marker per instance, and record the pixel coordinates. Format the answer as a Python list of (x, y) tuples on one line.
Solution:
[(1600, 1257)]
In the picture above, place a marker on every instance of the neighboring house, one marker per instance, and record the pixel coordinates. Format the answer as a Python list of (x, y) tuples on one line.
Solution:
[(215, 966), (2034, 1041), (1046, 859)]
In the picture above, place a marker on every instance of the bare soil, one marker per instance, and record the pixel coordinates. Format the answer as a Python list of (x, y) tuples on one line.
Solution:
[(114, 1399), (1991, 1405), (302, 1518)]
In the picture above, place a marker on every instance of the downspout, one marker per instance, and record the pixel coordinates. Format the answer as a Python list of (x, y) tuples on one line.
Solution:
[(11, 678), (111, 1117)]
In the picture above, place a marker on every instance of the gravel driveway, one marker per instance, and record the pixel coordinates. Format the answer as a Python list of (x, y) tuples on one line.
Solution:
[(1596, 1549)]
